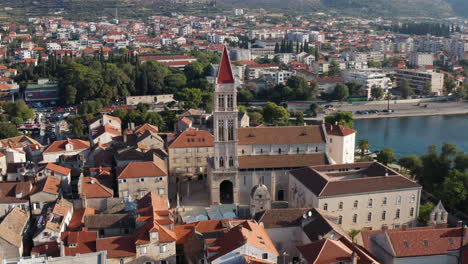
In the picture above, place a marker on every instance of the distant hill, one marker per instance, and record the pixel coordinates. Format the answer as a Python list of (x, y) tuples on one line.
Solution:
[(387, 8), (91, 9)]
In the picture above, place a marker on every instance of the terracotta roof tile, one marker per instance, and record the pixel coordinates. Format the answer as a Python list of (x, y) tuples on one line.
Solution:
[(326, 251), (59, 146), (58, 168), (92, 187), (281, 135), (117, 247), (80, 242), (48, 184), (247, 232), (192, 138), (339, 130), (141, 169), (78, 217)]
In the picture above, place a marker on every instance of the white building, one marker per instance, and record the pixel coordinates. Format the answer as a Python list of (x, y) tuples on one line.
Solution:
[(365, 195), (421, 59), (419, 79), (368, 79)]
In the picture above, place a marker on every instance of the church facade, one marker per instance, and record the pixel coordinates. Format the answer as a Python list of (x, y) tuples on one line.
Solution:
[(247, 157)]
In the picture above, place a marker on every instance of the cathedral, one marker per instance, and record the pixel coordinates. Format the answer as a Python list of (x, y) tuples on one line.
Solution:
[(245, 158)]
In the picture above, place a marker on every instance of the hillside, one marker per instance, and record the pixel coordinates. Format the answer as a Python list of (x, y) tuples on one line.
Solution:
[(92, 9), (387, 8)]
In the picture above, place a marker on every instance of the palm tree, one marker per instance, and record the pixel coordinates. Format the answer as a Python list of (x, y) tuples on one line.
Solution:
[(363, 145)]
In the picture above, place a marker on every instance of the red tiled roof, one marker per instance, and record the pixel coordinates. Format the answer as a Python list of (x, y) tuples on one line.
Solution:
[(225, 72), (117, 247), (191, 138), (438, 241), (59, 146), (339, 130), (140, 169), (77, 220), (92, 187), (247, 232), (280, 135), (48, 184), (57, 168), (183, 232), (85, 242), (146, 127), (326, 251)]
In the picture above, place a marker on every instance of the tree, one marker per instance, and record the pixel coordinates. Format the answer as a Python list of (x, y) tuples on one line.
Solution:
[(191, 97), (242, 109), (314, 109), (70, 95), (176, 80), (18, 109), (345, 119), (353, 233), (275, 114), (386, 156), (154, 119), (299, 115), (377, 92), (77, 126), (425, 212), (449, 86), (334, 69), (405, 89), (8, 130), (453, 191), (411, 163), (427, 88), (341, 92), (256, 118), (354, 88), (363, 145), (461, 161)]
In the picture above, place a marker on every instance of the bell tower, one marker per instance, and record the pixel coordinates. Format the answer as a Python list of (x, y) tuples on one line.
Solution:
[(224, 168)]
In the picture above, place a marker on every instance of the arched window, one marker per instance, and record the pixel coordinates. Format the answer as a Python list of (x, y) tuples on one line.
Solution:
[(355, 218), (340, 206), (442, 217), (230, 129), (411, 212), (369, 217), (325, 207), (297, 150), (413, 198), (280, 195), (221, 101), (243, 152), (384, 201), (369, 203), (397, 215), (384, 215), (340, 220), (231, 162), (316, 149), (221, 162), (356, 204), (279, 151), (221, 130)]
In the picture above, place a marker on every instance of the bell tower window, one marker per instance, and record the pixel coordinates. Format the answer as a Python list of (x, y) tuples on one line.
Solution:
[(221, 162), (221, 130), (230, 130), (221, 101), (230, 102), (231, 162)]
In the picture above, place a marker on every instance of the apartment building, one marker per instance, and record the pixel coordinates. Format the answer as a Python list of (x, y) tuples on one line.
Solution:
[(365, 195), (369, 79), (419, 79), (421, 59)]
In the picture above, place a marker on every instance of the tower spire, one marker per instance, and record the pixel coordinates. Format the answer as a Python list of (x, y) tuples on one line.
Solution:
[(225, 71)]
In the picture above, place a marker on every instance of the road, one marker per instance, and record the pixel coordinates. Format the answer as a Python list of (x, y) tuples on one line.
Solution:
[(404, 109)]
